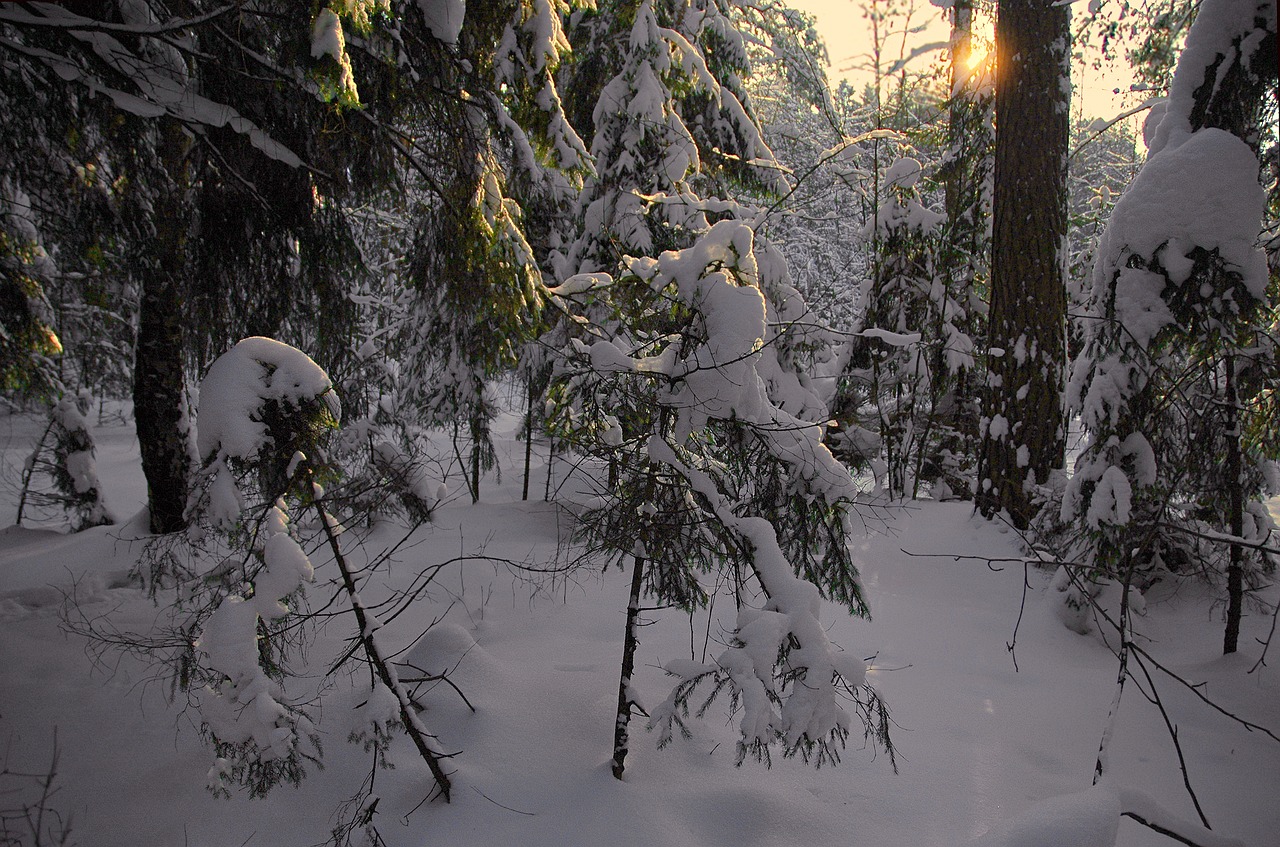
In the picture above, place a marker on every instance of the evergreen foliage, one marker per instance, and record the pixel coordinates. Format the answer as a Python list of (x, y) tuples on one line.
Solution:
[(1178, 352)]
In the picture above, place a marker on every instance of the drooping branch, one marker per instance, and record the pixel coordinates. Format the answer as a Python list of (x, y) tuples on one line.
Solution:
[(12, 13)]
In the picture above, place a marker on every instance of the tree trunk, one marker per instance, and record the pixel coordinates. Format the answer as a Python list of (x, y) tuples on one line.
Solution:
[(551, 455), (1235, 513), (1024, 427), (158, 383), (528, 436), (621, 734), (476, 430)]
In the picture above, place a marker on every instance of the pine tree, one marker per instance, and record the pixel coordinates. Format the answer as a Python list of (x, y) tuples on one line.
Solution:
[(258, 133), (687, 386), (717, 470), (902, 373), (1023, 427)]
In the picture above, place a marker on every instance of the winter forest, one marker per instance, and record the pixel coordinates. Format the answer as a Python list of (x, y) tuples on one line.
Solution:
[(570, 422)]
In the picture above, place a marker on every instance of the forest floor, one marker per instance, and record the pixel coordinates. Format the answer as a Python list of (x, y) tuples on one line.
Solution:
[(979, 738)]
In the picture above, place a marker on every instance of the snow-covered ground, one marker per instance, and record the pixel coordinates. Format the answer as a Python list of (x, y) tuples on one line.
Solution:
[(979, 740)]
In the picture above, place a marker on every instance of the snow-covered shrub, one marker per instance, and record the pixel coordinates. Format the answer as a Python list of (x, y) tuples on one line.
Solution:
[(240, 610), (262, 403), (718, 469), (264, 409), (910, 348), (75, 471), (1175, 343), (64, 458)]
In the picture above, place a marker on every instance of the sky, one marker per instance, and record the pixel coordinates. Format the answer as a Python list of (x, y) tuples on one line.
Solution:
[(848, 37)]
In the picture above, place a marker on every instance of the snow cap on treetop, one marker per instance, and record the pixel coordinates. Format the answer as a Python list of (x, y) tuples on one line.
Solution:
[(241, 380)]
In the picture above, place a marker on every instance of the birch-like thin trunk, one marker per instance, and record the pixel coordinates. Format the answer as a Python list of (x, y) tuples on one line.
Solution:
[(528, 439), (621, 729), (475, 460), (1104, 746), (1235, 514), (368, 625)]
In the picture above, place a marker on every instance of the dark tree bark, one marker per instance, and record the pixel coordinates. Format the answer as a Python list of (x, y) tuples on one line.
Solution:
[(158, 386), (631, 640), (1024, 432), (530, 398), (1235, 513)]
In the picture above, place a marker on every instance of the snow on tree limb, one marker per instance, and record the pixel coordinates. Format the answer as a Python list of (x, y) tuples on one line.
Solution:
[(811, 711), (720, 380)]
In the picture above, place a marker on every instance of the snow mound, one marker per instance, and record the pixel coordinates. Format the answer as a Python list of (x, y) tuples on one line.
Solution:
[(1086, 819)]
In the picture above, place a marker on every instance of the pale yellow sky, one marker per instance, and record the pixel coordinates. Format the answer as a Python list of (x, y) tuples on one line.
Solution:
[(848, 37)]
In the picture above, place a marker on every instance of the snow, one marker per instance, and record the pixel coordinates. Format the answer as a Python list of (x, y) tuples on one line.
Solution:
[(326, 36), (1139, 306), (1203, 193), (1086, 819), (1218, 23), (252, 372), (444, 18), (985, 752), (1111, 500), (903, 173), (893, 339)]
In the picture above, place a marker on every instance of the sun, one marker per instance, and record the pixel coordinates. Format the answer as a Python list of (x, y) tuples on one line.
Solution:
[(977, 57)]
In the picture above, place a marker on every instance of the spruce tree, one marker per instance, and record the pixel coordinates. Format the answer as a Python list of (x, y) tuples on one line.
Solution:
[(1177, 354)]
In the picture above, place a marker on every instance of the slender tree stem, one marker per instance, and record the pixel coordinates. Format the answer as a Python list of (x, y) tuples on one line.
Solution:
[(1235, 514), (621, 735), (412, 725)]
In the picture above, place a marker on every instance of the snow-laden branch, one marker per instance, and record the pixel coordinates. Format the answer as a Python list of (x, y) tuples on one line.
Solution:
[(788, 623), (56, 16)]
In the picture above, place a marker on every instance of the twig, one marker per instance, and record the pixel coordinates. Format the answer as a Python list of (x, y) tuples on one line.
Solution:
[(29, 470), (1022, 607), (1177, 746), (500, 806), (387, 674), (1266, 645), (1176, 836), (1196, 690)]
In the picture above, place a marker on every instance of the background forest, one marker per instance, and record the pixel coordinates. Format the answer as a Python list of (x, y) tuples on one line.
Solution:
[(390, 290)]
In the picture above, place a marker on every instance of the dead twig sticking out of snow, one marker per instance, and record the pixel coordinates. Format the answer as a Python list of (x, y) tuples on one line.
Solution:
[(369, 625)]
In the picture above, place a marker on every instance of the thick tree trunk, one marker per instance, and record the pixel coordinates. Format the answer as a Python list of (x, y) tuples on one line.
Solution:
[(1024, 428), (158, 383)]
